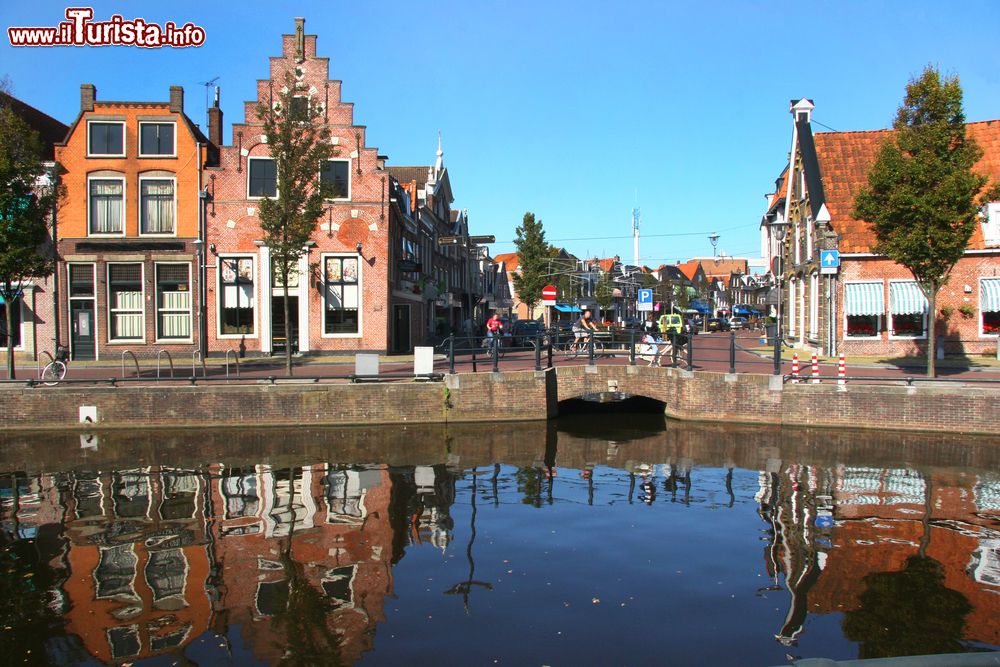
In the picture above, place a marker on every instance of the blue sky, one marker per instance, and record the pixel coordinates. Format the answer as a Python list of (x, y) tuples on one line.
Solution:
[(566, 109)]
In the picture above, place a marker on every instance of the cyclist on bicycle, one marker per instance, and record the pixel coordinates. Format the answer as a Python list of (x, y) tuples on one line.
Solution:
[(583, 329), (494, 328)]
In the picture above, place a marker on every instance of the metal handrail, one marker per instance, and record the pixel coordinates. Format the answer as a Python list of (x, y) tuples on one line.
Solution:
[(169, 358), (134, 359), (195, 353), (235, 357)]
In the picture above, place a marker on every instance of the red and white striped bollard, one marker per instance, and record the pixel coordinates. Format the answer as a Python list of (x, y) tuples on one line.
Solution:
[(815, 369), (842, 371), (795, 368)]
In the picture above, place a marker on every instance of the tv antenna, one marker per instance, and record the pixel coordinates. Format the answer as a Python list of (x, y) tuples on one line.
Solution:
[(208, 97)]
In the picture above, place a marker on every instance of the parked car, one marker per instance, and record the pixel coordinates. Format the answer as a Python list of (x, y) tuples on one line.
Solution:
[(525, 331), (632, 323), (717, 324), (671, 323), (738, 322)]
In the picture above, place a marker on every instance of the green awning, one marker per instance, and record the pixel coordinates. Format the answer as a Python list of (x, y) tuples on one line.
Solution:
[(863, 299), (989, 295), (906, 298)]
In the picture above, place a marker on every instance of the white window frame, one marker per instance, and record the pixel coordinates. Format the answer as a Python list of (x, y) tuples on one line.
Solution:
[(148, 176), (991, 224), (350, 180), (879, 324), (791, 307), (116, 176), (890, 315), (190, 309), (20, 305), (138, 148), (110, 312), (261, 157), (361, 295), (256, 295), (106, 122), (979, 307)]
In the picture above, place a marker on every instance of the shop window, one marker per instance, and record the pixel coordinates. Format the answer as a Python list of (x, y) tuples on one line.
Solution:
[(342, 296), (862, 326), (173, 301), (236, 296), (125, 301), (989, 306)]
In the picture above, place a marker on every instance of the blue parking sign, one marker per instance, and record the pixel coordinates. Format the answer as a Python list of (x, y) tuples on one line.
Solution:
[(645, 296)]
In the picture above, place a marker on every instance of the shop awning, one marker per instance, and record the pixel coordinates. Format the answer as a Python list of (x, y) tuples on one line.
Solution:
[(863, 299), (906, 299), (700, 307), (566, 308), (989, 295)]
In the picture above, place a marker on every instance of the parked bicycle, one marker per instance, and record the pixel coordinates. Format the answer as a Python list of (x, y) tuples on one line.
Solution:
[(55, 370)]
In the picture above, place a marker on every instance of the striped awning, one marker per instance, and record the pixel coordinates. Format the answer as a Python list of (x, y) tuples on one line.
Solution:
[(989, 295), (863, 299), (906, 299)]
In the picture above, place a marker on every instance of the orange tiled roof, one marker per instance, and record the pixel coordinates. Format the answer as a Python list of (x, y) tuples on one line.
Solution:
[(689, 269), (509, 259), (723, 268), (780, 192), (846, 157), (606, 264)]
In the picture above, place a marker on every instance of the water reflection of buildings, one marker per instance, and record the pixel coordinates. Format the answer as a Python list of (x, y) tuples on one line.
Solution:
[(154, 558), (833, 527)]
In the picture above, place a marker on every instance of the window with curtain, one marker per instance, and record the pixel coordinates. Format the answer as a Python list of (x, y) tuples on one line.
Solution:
[(125, 301), (107, 206), (863, 307), (173, 301), (156, 202), (989, 306), (907, 309), (236, 296), (342, 295)]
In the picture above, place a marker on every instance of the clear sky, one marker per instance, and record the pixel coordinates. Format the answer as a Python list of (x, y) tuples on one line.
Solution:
[(566, 109)]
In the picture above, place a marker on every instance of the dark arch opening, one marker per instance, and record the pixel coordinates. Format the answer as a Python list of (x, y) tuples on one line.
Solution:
[(611, 403)]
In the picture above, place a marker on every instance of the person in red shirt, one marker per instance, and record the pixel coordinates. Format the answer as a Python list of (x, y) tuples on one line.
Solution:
[(494, 329)]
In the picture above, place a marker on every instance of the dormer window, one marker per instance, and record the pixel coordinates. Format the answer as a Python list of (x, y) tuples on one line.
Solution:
[(802, 117)]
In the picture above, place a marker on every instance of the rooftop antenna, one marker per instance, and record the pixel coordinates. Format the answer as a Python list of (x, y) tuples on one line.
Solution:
[(208, 96), (635, 228)]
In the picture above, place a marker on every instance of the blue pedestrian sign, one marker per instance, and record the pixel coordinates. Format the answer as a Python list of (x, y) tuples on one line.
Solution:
[(829, 261), (645, 300)]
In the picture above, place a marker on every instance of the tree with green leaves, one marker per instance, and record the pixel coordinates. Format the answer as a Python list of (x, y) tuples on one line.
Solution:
[(28, 196), (299, 142), (604, 290), (921, 199), (532, 261)]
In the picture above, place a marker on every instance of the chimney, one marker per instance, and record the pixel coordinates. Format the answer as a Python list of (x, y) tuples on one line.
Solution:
[(802, 110), (88, 95), (176, 99), (215, 121)]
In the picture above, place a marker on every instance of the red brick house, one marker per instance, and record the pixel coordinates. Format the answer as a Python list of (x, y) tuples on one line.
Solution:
[(871, 306), (340, 295)]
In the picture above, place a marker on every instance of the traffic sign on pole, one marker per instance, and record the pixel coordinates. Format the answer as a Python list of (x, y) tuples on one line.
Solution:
[(644, 302), (829, 261), (549, 294)]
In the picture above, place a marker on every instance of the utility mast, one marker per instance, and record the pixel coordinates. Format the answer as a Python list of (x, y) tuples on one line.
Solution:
[(635, 234)]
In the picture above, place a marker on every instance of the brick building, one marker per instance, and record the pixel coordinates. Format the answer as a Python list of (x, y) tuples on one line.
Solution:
[(129, 226), (341, 291), (872, 306), (34, 312)]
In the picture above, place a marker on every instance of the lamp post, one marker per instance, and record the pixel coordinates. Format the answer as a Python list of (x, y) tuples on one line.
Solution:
[(777, 230), (713, 238)]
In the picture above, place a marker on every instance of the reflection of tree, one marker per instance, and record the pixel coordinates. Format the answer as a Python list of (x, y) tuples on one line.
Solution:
[(529, 485), (309, 640), (910, 612)]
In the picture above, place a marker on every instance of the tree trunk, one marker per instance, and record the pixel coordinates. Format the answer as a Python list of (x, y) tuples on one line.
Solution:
[(931, 330), (288, 330), (9, 342)]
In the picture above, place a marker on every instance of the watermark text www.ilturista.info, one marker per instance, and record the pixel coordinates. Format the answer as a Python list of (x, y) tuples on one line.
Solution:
[(81, 30)]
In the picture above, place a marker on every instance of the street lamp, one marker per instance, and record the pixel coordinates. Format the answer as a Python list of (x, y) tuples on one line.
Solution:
[(713, 238), (777, 230)]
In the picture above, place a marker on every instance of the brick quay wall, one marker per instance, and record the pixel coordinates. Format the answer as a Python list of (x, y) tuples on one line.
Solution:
[(507, 397)]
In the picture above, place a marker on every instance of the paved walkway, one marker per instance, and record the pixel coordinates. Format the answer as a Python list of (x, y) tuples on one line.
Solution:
[(710, 352)]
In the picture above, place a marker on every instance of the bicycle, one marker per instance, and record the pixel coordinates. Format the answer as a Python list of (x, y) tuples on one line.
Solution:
[(55, 370), (490, 342), (574, 348)]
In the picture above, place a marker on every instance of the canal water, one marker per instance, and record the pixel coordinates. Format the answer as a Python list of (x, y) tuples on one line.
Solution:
[(593, 540)]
